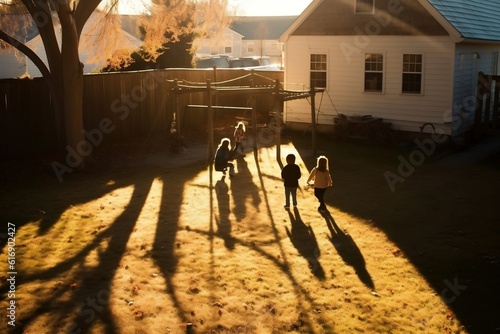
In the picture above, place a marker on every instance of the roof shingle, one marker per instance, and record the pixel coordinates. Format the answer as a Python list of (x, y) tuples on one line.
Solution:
[(474, 19)]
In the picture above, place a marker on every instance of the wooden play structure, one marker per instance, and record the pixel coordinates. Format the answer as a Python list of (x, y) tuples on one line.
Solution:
[(211, 89)]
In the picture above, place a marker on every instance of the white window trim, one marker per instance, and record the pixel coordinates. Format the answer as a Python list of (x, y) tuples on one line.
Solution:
[(422, 78), (323, 52), (384, 72)]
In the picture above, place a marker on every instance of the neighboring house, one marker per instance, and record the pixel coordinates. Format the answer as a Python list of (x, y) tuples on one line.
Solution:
[(228, 44), (261, 36), (408, 62), (93, 48), (249, 38), (12, 63)]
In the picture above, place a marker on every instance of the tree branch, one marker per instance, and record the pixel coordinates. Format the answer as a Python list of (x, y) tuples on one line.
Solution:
[(83, 11)]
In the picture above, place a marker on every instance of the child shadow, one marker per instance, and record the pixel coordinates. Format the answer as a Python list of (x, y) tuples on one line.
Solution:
[(224, 224), (304, 240), (348, 250), (243, 188)]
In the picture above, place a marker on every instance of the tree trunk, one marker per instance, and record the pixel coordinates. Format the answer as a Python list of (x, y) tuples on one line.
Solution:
[(71, 74)]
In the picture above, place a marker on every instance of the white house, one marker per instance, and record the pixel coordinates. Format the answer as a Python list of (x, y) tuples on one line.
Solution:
[(408, 62), (261, 36), (249, 37), (228, 44), (92, 54), (12, 62), (93, 49)]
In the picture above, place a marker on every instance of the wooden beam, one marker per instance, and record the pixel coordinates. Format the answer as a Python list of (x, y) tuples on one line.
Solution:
[(218, 107), (277, 118), (313, 119)]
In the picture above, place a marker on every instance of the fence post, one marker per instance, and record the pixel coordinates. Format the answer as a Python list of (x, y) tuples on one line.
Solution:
[(254, 116), (277, 118), (210, 123)]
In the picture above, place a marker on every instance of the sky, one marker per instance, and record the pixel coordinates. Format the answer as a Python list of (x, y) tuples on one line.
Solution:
[(269, 7), (249, 7)]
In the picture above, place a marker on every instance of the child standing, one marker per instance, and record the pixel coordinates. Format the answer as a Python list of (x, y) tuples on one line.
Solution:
[(290, 175), (239, 135), (322, 180)]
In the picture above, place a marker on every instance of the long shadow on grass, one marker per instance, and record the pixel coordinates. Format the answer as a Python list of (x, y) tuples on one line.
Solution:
[(164, 245), (432, 215), (52, 200), (348, 250), (304, 240), (283, 255), (243, 187), (224, 223), (91, 290)]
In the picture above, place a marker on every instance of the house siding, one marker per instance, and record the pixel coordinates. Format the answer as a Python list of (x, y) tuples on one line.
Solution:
[(470, 59), (10, 66), (345, 92)]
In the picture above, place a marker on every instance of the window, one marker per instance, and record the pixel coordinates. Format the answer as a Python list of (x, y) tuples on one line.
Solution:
[(412, 74), (228, 50), (374, 72), (250, 48), (364, 6), (318, 71)]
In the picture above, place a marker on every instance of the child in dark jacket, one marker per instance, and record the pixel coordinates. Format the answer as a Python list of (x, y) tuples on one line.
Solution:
[(290, 175), (222, 158)]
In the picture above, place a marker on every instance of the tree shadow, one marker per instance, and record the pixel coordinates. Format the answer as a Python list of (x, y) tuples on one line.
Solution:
[(303, 238), (348, 250), (243, 187), (91, 290), (167, 227), (52, 200), (84, 305)]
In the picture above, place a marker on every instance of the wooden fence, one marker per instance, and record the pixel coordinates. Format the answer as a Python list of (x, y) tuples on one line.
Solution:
[(487, 115), (136, 104)]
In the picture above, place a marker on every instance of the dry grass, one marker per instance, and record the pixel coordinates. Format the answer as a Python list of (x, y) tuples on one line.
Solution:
[(149, 247)]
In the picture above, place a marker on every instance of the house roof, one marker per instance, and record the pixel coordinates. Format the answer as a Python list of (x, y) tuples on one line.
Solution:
[(473, 19), (261, 27), (27, 28)]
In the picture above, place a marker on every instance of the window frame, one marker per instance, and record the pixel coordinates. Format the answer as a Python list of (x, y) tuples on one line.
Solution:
[(413, 66), (372, 71), (322, 69)]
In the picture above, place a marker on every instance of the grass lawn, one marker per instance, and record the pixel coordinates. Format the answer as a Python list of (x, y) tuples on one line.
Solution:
[(150, 242)]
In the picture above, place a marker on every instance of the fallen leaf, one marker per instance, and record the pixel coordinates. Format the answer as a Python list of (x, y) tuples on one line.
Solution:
[(139, 315), (194, 289)]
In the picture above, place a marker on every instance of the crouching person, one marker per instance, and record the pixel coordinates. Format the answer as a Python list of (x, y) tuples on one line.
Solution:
[(223, 156)]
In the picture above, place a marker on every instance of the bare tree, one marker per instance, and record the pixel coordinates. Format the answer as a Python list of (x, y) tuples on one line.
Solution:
[(60, 24)]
